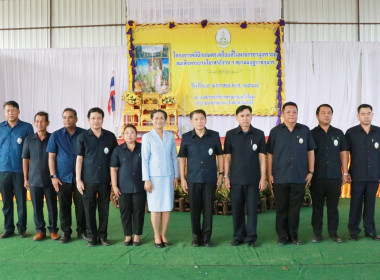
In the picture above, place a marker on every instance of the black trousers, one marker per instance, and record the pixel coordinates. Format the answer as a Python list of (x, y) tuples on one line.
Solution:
[(362, 192), (288, 198), (37, 194), (12, 184), (329, 191), (201, 196), (132, 212), (244, 196), (67, 193), (96, 195)]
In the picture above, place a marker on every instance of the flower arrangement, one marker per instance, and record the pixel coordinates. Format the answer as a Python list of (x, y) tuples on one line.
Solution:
[(172, 24), (131, 98), (168, 99), (204, 23), (243, 24)]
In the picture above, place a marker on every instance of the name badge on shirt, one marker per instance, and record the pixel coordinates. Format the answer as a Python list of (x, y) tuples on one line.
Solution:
[(254, 147), (106, 150), (301, 140), (376, 145), (210, 151), (336, 143), (19, 141)]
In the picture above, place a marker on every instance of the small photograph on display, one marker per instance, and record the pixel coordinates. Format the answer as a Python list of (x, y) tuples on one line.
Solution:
[(152, 68)]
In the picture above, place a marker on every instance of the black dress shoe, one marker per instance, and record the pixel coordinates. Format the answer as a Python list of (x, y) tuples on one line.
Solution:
[(235, 242), (22, 234), (104, 242), (316, 238), (136, 243), (208, 243), (7, 234), (374, 236), (128, 243), (296, 241), (336, 238), (252, 244), (354, 237), (65, 237), (159, 245), (281, 242), (91, 242), (196, 243), (82, 235)]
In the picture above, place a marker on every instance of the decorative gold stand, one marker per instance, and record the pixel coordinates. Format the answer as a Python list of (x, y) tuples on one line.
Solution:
[(139, 115)]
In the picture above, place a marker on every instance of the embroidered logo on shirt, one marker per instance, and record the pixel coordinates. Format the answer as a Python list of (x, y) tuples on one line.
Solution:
[(19, 141), (376, 145), (106, 150), (210, 151), (254, 147), (301, 140), (336, 142)]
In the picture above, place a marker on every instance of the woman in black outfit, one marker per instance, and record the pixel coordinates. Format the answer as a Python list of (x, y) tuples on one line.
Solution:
[(128, 186)]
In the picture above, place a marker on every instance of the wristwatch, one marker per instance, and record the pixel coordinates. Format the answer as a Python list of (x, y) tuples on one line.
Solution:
[(220, 173), (310, 172), (53, 176)]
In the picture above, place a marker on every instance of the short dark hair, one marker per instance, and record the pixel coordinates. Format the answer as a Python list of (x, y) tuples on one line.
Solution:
[(42, 114), (11, 103), (364, 106), (131, 126), (70, 110), (158, 111), (324, 105), (289, 104), (198, 111), (242, 108), (95, 110)]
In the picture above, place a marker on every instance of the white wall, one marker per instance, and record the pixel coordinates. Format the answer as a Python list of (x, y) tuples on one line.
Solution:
[(331, 11), (84, 14), (53, 21)]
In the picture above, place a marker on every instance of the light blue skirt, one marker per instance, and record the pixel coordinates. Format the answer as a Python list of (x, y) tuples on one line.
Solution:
[(162, 197)]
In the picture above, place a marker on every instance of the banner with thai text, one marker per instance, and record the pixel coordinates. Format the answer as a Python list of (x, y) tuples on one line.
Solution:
[(215, 68)]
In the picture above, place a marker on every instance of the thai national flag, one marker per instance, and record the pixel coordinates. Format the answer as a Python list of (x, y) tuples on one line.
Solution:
[(111, 101)]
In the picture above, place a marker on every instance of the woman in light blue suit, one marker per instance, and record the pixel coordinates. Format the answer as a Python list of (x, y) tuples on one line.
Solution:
[(160, 173)]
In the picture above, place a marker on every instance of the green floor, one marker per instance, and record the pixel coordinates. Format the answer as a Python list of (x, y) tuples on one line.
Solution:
[(27, 259)]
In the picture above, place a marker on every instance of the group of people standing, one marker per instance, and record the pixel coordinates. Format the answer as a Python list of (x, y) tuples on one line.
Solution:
[(83, 165)]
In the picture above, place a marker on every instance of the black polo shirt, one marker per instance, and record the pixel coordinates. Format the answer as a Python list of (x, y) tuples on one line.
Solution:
[(35, 150), (96, 154), (289, 150), (327, 154), (200, 154), (129, 175), (244, 149), (365, 153)]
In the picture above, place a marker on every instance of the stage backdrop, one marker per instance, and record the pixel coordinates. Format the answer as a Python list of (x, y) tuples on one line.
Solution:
[(215, 67)]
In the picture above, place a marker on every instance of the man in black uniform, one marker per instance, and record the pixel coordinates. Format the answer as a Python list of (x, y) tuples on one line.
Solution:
[(363, 143), (94, 149), (37, 179), (290, 150), (199, 147), (330, 157), (245, 150)]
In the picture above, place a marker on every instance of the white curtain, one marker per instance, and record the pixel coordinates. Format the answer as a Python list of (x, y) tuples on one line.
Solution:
[(184, 11), (371, 77), (53, 79), (341, 74)]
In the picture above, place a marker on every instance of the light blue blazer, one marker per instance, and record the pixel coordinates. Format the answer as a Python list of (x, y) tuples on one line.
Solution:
[(159, 157)]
